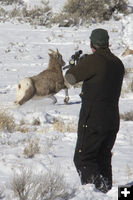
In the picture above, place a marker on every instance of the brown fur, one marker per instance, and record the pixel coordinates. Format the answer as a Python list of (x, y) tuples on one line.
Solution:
[(28, 95), (127, 52)]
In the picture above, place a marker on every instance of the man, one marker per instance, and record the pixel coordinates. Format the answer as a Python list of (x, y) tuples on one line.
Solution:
[(102, 75)]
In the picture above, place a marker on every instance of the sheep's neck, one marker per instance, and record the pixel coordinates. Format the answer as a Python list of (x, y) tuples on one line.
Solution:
[(53, 65)]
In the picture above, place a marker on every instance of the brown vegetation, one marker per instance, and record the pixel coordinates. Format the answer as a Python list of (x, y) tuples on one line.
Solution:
[(27, 185), (6, 121), (19, 11), (31, 149), (127, 116), (62, 126), (75, 12), (78, 12)]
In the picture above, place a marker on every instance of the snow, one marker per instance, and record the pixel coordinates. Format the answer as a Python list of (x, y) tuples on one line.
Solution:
[(55, 9), (24, 52)]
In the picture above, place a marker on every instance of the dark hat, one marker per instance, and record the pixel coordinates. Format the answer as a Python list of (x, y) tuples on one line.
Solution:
[(99, 37)]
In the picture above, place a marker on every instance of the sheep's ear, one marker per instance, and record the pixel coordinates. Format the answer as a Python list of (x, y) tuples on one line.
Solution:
[(58, 53), (51, 52)]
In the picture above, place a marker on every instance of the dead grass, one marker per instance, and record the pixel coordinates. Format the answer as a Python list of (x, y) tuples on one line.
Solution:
[(127, 86), (74, 12), (35, 16), (32, 148), (6, 121), (127, 116), (78, 12), (61, 126), (10, 2), (27, 185)]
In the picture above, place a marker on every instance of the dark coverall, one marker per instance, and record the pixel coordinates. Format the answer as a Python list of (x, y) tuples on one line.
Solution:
[(102, 75)]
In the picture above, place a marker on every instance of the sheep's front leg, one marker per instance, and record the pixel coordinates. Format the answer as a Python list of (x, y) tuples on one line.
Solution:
[(66, 96)]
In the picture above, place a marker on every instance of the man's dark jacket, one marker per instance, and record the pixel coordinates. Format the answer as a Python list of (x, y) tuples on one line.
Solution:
[(102, 75)]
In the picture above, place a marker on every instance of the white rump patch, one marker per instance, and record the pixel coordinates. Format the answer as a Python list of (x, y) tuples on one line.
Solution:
[(22, 87)]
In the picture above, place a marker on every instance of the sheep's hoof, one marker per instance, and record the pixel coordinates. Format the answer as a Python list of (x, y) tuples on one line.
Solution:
[(66, 100), (16, 103)]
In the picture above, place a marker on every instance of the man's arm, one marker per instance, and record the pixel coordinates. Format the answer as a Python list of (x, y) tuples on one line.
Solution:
[(80, 72)]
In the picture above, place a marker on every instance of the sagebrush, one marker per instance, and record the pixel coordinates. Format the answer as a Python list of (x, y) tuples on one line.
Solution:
[(127, 86), (74, 12), (7, 121), (34, 16), (90, 11), (10, 2), (32, 148), (127, 116), (27, 185), (62, 126)]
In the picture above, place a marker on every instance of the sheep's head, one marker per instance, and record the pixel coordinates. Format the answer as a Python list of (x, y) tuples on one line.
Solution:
[(56, 57)]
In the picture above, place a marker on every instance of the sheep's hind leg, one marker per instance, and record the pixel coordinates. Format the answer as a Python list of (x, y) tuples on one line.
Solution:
[(66, 96), (53, 98), (29, 93)]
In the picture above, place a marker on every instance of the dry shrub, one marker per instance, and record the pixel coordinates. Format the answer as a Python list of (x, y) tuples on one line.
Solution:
[(47, 146), (22, 129), (10, 2), (21, 184), (7, 121), (45, 186), (129, 172), (3, 12), (84, 11), (127, 116), (127, 86), (43, 130), (35, 16), (64, 20), (36, 122), (31, 149), (61, 126), (75, 12), (38, 15), (14, 13)]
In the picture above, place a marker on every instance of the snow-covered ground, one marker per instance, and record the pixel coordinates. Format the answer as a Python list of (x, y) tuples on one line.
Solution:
[(24, 52)]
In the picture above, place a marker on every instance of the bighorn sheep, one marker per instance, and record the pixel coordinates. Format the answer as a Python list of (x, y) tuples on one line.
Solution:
[(46, 83)]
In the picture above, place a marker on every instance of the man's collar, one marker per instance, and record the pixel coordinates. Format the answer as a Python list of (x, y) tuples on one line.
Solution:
[(102, 51)]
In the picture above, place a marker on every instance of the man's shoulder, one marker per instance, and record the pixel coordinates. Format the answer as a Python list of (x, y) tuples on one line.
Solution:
[(117, 58), (86, 57)]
